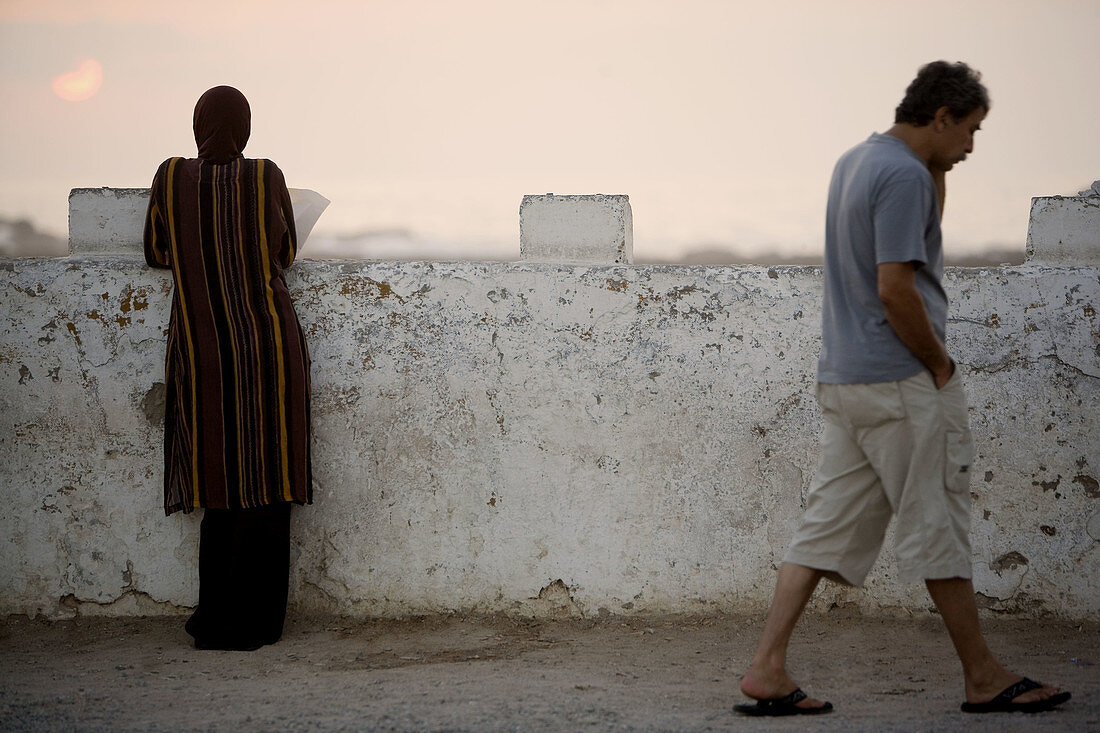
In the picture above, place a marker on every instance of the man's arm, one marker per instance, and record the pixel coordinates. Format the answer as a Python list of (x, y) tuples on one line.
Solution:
[(905, 312)]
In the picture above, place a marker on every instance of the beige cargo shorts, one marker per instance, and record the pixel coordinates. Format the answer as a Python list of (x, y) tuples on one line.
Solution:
[(892, 448)]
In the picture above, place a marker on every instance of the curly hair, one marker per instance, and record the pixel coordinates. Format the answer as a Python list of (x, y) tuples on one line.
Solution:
[(942, 84)]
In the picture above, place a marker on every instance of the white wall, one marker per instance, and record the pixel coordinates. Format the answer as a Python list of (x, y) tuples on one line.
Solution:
[(644, 434)]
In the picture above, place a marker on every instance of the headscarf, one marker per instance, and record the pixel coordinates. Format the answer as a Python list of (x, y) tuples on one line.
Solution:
[(223, 121)]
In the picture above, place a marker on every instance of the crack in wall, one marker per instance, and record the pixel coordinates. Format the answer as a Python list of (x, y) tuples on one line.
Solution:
[(130, 600)]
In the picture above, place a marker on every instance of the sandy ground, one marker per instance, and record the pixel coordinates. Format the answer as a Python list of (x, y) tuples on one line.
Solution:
[(488, 674)]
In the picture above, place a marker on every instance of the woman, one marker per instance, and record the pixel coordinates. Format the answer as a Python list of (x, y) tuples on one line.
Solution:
[(237, 426)]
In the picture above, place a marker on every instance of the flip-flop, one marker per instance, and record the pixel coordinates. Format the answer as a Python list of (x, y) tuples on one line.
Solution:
[(777, 706), (1003, 703)]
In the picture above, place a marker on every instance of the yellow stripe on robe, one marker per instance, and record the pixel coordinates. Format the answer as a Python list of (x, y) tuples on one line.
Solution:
[(174, 243), (283, 441)]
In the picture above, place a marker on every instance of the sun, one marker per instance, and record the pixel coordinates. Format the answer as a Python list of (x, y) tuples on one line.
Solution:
[(76, 86)]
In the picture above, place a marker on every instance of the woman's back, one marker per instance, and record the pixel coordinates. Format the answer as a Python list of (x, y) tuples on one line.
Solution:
[(228, 224), (237, 368)]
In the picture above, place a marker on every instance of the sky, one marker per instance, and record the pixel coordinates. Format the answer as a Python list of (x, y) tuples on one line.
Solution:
[(720, 119)]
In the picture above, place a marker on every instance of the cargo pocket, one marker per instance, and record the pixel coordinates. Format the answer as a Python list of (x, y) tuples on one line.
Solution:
[(960, 452)]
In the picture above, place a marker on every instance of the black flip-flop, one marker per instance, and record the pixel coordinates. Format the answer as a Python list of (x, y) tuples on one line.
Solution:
[(778, 706), (1004, 702)]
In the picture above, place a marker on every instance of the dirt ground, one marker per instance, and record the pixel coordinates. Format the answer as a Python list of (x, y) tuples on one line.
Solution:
[(490, 673)]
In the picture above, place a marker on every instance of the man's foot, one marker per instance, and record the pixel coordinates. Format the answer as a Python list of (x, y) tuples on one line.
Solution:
[(1025, 696), (1000, 680), (778, 690)]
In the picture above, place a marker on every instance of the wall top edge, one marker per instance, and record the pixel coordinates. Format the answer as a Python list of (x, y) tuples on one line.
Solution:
[(576, 197), (105, 190), (1094, 198), (1029, 269)]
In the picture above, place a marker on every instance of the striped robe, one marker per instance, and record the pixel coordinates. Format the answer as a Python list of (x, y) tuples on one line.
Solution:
[(237, 421)]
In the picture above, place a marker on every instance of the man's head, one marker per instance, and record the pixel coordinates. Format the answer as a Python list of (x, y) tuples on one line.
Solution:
[(943, 108), (940, 84)]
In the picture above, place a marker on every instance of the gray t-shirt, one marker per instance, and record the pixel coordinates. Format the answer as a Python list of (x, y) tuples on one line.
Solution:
[(882, 208)]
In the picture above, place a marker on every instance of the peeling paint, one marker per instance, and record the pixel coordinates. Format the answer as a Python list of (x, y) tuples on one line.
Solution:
[(1048, 485), (1008, 561), (367, 287), (134, 300), (152, 404), (1089, 484), (72, 329)]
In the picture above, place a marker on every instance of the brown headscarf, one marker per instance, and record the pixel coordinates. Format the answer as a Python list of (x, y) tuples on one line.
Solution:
[(223, 121)]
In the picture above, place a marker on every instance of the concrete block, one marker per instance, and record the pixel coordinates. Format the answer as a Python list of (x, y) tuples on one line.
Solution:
[(1064, 230), (596, 229), (1093, 190), (107, 220), (112, 220)]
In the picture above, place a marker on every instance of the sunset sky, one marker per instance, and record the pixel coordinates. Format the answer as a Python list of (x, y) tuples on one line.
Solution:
[(721, 120)]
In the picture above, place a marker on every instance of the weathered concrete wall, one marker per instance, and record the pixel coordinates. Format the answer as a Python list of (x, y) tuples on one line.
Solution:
[(645, 435)]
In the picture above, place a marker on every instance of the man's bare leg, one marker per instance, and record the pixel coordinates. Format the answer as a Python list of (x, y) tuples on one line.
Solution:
[(984, 675), (767, 676)]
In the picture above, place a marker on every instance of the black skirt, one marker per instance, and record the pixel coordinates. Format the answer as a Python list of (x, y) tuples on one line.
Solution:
[(244, 570)]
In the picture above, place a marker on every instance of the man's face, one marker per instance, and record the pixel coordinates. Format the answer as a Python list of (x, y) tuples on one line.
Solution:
[(956, 139)]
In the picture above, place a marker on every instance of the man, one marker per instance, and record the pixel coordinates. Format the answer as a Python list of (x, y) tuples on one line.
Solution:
[(896, 438)]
